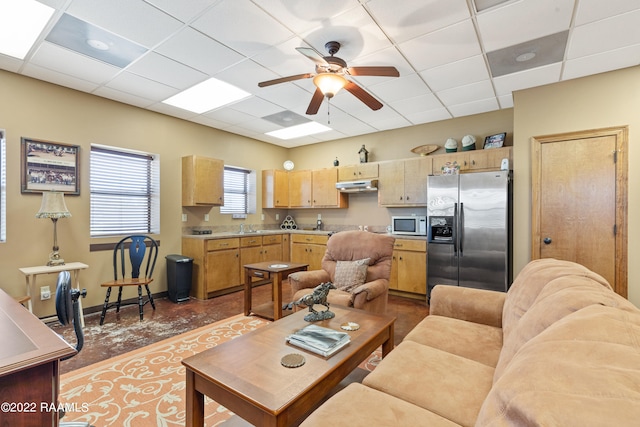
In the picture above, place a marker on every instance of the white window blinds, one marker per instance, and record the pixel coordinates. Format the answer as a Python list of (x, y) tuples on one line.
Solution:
[(236, 190), (125, 192)]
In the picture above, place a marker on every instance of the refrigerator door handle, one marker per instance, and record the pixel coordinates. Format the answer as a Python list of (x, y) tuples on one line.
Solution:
[(455, 230), (461, 228)]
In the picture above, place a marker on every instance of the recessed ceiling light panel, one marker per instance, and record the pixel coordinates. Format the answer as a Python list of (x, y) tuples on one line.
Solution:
[(298, 131), (525, 56), (206, 96), (22, 23)]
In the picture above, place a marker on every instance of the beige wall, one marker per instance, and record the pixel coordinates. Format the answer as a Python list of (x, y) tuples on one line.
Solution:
[(605, 100), (43, 111)]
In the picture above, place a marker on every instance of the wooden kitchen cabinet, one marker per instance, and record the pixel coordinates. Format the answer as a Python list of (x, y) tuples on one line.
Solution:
[(250, 252), (272, 248), (475, 160), (216, 264), (323, 190), (359, 171), (202, 181), (404, 182), (275, 188), (300, 189), (309, 249), (409, 266)]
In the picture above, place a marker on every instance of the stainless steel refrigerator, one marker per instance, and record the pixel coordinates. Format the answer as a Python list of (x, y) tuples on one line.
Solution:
[(469, 230)]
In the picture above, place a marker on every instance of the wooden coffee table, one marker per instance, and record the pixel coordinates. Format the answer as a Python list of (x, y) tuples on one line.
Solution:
[(245, 374)]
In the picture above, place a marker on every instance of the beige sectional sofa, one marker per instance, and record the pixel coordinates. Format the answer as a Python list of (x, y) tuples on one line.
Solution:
[(559, 349)]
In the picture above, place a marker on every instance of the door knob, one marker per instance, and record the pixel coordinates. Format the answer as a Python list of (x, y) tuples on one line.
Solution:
[(547, 240)]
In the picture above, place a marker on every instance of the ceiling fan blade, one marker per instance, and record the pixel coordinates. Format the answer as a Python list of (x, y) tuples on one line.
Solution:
[(316, 100), (313, 55), (285, 79), (374, 71), (363, 96)]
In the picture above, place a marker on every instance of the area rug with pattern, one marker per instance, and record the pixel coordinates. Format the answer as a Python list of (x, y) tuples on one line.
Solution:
[(146, 387)]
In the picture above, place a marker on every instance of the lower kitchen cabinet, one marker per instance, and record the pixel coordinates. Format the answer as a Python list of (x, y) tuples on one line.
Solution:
[(309, 249), (409, 266)]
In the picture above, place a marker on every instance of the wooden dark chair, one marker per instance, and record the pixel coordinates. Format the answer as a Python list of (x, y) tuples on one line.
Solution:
[(142, 253)]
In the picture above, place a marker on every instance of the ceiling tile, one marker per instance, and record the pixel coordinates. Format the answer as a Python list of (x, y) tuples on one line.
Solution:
[(416, 17), (530, 78), (520, 21), (476, 107), (450, 44), (394, 89), (163, 70), (198, 51), (142, 23), (594, 10), (61, 79), (284, 59), (600, 63), (408, 106), (65, 61), (459, 73), (429, 116), (185, 11), (301, 17), (242, 26), (141, 87), (124, 97), (257, 107), (465, 94), (612, 33)]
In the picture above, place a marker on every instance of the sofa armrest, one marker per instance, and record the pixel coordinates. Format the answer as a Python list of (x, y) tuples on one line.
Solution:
[(473, 305), (307, 279)]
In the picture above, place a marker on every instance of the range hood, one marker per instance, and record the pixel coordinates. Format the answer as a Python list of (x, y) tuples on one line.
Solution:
[(360, 186)]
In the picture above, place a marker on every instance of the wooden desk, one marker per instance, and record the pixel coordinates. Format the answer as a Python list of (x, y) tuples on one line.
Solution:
[(29, 361), (32, 272), (245, 374), (270, 272)]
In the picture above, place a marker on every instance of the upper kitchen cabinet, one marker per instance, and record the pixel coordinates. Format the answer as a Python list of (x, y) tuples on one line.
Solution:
[(275, 188), (476, 160), (202, 181), (359, 171), (324, 191), (404, 182), (300, 189)]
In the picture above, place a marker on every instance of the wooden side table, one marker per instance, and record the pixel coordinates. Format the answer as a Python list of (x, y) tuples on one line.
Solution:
[(270, 272), (31, 273)]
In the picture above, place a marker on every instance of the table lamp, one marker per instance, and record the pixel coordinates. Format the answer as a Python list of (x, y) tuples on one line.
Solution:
[(53, 207)]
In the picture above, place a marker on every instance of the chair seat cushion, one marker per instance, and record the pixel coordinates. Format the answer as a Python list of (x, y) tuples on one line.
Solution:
[(350, 274)]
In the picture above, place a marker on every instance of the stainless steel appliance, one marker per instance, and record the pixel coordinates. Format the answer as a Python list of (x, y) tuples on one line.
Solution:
[(469, 230), (411, 225)]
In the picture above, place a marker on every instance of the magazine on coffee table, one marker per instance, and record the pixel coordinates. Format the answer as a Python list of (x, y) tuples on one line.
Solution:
[(320, 340)]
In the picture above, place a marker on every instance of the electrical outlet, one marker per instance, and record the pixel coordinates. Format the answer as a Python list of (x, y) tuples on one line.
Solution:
[(184, 217), (319, 216), (206, 217), (277, 217), (45, 293), (262, 217)]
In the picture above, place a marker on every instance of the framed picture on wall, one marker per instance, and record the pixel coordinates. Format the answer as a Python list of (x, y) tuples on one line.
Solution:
[(49, 166)]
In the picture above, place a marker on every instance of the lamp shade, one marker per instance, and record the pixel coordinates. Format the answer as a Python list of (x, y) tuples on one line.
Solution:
[(329, 83), (53, 206)]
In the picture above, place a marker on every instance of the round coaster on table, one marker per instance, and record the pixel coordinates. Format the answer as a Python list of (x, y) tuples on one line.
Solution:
[(350, 326), (292, 360)]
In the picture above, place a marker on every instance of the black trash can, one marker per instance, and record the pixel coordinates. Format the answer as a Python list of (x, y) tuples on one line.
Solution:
[(179, 274)]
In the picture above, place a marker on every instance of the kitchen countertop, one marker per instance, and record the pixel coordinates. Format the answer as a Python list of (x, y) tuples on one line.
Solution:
[(228, 234)]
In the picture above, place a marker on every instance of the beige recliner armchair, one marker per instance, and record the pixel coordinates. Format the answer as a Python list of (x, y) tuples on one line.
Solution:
[(358, 263)]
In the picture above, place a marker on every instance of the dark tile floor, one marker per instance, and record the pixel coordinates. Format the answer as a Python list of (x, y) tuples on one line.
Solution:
[(124, 332)]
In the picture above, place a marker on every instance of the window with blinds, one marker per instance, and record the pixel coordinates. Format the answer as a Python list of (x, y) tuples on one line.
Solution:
[(236, 191), (125, 192)]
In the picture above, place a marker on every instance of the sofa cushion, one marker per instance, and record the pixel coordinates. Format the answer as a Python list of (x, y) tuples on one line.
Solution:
[(350, 274), (559, 298), (531, 280), (357, 405), (450, 386), (474, 341), (582, 370)]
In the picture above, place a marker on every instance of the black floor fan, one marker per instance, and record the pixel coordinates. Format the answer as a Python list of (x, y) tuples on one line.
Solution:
[(67, 308)]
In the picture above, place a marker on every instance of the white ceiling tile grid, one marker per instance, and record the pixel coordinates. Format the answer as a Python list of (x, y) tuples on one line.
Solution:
[(452, 60)]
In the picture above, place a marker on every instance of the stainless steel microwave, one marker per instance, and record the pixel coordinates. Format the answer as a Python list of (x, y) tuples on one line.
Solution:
[(409, 225)]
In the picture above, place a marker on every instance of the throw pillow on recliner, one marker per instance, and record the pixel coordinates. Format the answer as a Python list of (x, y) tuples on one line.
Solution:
[(350, 274)]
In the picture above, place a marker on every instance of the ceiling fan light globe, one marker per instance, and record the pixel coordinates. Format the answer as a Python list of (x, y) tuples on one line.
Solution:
[(329, 83)]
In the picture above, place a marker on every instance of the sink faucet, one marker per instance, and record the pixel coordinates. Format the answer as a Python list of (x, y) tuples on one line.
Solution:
[(242, 228)]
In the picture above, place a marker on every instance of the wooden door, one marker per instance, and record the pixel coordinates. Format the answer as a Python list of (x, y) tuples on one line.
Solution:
[(415, 180), (223, 269), (579, 201), (391, 183), (300, 189), (324, 187)]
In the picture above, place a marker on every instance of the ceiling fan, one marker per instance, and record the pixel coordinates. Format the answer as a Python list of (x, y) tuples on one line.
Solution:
[(330, 74)]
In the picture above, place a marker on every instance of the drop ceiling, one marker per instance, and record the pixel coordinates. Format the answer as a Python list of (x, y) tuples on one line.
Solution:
[(453, 59)]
